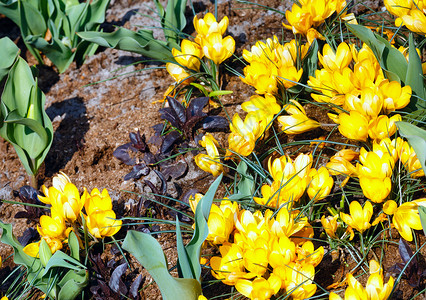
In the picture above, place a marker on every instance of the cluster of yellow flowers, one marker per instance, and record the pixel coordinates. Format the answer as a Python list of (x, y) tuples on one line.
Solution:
[(292, 179), (375, 288), (209, 42), (273, 66), (270, 252), (308, 14), (66, 209), (410, 13), (361, 95)]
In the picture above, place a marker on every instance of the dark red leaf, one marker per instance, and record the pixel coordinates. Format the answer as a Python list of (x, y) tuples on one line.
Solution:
[(178, 109), (175, 170), (406, 253), (133, 292), (137, 172), (115, 283), (169, 141), (138, 141), (22, 215), (213, 123), (195, 107), (29, 235), (123, 153), (169, 115)]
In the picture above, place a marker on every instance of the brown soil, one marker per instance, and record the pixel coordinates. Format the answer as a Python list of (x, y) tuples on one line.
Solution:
[(91, 121)]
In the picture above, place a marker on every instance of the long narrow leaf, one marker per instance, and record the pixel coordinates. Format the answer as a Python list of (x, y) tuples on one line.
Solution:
[(414, 77), (416, 138), (201, 230), (149, 253)]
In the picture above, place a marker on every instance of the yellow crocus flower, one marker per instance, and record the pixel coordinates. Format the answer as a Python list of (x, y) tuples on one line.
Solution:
[(330, 225), (398, 7), (415, 21), (395, 96), (103, 223), (320, 184), (216, 48), (259, 288), (221, 221), (299, 19), (229, 267), (261, 76), (179, 74), (68, 203), (210, 162), (299, 279), (406, 217), (283, 251), (208, 24), (33, 249), (189, 56), (53, 227), (306, 254), (383, 127), (410, 161), (335, 61), (58, 182), (375, 189), (375, 288), (359, 217), (375, 164), (354, 125), (297, 121), (96, 201)]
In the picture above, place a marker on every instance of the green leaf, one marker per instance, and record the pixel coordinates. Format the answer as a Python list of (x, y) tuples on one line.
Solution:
[(25, 123), (19, 256), (141, 42), (391, 60), (9, 8), (61, 55), (9, 53), (149, 253), (422, 214), (74, 246), (414, 77), (201, 230), (184, 262), (72, 284), (201, 88), (219, 93), (416, 138), (60, 259), (174, 21), (245, 187)]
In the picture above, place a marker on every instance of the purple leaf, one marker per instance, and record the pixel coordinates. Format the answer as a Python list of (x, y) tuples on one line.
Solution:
[(158, 128), (28, 194), (115, 283), (212, 123), (169, 141), (406, 253), (163, 182), (195, 107), (135, 287), (138, 141), (29, 235), (179, 110), (149, 158), (169, 115), (22, 215), (137, 172), (122, 153), (176, 170)]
